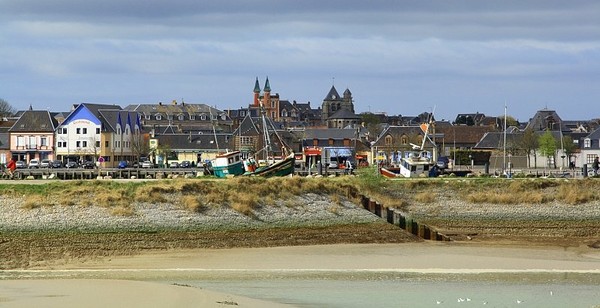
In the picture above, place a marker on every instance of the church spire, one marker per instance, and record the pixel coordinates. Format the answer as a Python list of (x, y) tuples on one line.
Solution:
[(267, 85), (256, 86)]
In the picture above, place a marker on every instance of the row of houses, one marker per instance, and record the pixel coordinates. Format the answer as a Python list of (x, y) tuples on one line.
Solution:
[(197, 132)]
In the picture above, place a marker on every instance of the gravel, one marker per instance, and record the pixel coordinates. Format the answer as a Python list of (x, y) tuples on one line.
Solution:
[(305, 210)]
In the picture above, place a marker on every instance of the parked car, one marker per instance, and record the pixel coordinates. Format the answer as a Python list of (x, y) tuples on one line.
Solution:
[(88, 164), (34, 163), (147, 164), (56, 164), (123, 164), (173, 164), (71, 164), (20, 164), (45, 163), (442, 162), (185, 164), (333, 165)]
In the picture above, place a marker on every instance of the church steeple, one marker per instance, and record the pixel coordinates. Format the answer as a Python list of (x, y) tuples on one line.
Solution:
[(267, 86), (256, 86), (256, 93)]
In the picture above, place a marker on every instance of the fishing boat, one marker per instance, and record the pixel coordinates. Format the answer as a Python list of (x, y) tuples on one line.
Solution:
[(389, 172), (228, 164), (278, 168), (416, 162), (273, 167)]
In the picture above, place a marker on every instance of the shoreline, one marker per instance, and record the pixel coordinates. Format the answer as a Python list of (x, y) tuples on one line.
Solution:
[(148, 278)]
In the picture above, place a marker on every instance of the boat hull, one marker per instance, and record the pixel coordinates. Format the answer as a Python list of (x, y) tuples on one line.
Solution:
[(228, 170), (280, 168)]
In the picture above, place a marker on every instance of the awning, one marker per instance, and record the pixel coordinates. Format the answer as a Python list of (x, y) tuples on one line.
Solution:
[(339, 152), (312, 151)]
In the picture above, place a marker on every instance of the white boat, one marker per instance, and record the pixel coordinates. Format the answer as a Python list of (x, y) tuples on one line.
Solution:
[(416, 164)]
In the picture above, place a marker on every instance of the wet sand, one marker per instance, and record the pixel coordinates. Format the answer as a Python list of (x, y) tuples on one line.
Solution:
[(135, 292)]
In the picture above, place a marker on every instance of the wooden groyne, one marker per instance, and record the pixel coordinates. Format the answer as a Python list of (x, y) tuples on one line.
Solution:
[(403, 221)]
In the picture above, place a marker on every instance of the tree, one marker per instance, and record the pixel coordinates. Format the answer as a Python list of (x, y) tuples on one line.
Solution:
[(6, 110), (529, 144), (372, 123), (569, 147), (140, 144), (547, 146), (510, 121)]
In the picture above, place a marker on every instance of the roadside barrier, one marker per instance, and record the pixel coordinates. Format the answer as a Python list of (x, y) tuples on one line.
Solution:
[(402, 221)]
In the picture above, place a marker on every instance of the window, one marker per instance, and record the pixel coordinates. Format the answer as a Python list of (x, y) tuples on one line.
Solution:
[(97, 130), (242, 113), (223, 117), (85, 130), (64, 130), (78, 131), (158, 117), (246, 140), (590, 158), (59, 131), (44, 141), (203, 117), (78, 144), (272, 104), (388, 140), (404, 140), (148, 117), (32, 143), (587, 143), (97, 144), (284, 113), (330, 141), (84, 144), (106, 144), (180, 117), (192, 117)]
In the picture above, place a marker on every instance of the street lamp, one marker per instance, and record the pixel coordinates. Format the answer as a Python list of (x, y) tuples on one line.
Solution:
[(471, 159)]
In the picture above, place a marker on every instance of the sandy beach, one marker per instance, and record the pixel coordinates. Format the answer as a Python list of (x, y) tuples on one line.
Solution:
[(131, 289)]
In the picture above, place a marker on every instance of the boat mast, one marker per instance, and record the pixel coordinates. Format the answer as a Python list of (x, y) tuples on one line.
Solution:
[(213, 127), (504, 146), (266, 137)]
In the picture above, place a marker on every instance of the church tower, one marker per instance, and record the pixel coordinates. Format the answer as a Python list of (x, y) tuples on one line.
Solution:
[(256, 93)]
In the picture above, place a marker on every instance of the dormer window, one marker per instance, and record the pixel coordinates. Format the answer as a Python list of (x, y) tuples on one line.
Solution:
[(404, 140), (180, 117), (203, 117), (587, 143), (158, 117), (388, 140)]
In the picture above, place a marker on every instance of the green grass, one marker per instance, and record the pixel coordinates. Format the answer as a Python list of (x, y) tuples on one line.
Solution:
[(245, 194)]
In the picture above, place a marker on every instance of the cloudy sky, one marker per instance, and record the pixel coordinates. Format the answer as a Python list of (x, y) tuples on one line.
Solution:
[(398, 57)]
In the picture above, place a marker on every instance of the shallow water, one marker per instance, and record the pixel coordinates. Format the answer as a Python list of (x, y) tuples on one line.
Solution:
[(356, 288), (505, 290)]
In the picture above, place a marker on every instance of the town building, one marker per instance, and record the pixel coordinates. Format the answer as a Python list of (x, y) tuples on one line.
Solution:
[(103, 134), (32, 136)]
